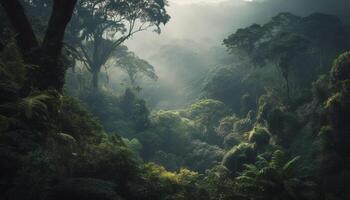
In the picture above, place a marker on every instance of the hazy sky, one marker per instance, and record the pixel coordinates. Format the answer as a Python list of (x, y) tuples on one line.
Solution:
[(198, 28), (213, 20)]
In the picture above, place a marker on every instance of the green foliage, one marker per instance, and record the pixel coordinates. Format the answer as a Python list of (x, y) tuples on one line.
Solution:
[(203, 156), (31, 113), (46, 137), (98, 36), (35, 106), (172, 132), (337, 106), (238, 156), (134, 66), (134, 144), (274, 179), (202, 109), (320, 88), (51, 147), (170, 161), (78, 122), (218, 184), (162, 184), (11, 64), (280, 122), (245, 124), (297, 46), (84, 188), (259, 136), (341, 68), (237, 86), (208, 113), (32, 180), (126, 115), (108, 160), (232, 139), (12, 72), (226, 125)]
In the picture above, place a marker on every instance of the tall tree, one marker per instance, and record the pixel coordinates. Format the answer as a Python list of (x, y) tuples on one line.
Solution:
[(102, 26), (134, 66), (46, 54)]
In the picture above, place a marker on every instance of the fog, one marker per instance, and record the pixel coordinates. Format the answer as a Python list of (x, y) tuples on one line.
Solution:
[(190, 44)]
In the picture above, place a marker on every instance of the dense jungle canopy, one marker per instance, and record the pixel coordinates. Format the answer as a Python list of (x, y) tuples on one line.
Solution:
[(174, 100)]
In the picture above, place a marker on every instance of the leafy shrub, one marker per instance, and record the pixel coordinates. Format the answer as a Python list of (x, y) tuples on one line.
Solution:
[(126, 115), (275, 179), (208, 113), (341, 68), (78, 122), (169, 160), (203, 156), (109, 160), (238, 156), (172, 132), (134, 144), (218, 184), (161, 184)]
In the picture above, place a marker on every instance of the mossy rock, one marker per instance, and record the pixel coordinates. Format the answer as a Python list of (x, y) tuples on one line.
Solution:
[(84, 189), (238, 156)]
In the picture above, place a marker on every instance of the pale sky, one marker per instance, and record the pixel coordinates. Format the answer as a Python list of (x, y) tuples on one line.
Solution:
[(196, 1)]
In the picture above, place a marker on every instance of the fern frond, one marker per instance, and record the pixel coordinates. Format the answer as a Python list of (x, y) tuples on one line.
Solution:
[(35, 106), (251, 167), (290, 166), (261, 162), (268, 172), (277, 159)]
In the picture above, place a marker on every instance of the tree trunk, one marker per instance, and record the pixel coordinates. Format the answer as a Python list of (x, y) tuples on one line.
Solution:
[(25, 36), (95, 80), (53, 72), (50, 73)]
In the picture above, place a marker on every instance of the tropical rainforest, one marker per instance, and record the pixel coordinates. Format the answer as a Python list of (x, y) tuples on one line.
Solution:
[(174, 100)]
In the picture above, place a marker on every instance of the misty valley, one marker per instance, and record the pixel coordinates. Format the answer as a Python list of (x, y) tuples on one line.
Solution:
[(174, 100)]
